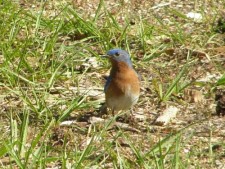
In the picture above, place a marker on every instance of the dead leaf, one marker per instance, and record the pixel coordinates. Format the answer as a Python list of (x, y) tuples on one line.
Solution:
[(193, 96), (95, 120), (170, 51), (167, 115), (220, 49)]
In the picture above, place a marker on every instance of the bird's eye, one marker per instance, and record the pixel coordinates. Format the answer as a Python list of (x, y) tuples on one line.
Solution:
[(117, 54)]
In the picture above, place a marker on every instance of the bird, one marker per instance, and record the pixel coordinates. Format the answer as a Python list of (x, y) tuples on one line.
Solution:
[(122, 87)]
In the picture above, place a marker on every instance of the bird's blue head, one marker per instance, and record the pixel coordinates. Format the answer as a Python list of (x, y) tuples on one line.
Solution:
[(119, 55)]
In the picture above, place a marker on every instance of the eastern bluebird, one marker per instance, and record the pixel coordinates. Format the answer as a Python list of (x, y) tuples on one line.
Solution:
[(122, 88)]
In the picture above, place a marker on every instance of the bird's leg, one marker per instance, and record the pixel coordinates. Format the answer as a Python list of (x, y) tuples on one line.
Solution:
[(132, 111), (131, 117), (113, 111), (103, 110)]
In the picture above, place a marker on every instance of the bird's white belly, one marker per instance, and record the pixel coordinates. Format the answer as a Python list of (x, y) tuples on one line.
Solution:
[(124, 102)]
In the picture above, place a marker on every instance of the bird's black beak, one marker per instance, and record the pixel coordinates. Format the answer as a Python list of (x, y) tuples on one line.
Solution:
[(104, 56)]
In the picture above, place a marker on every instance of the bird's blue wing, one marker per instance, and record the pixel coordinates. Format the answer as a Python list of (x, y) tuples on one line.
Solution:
[(139, 76), (107, 83)]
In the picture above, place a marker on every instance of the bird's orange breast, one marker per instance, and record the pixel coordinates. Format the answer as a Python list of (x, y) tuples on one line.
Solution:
[(124, 86)]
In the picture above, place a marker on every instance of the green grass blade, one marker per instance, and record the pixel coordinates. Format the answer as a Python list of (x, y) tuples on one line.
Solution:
[(23, 134), (172, 86)]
